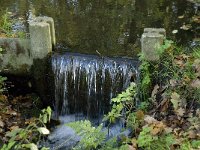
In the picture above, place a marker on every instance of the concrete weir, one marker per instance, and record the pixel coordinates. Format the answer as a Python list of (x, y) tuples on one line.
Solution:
[(19, 54)]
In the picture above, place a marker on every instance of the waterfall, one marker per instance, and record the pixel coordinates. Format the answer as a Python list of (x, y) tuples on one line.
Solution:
[(85, 84)]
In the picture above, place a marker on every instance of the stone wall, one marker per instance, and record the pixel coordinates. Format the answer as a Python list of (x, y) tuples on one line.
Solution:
[(18, 54)]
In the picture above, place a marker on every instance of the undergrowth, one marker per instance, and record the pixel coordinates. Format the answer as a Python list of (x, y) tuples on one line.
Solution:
[(28, 138), (168, 115), (6, 27)]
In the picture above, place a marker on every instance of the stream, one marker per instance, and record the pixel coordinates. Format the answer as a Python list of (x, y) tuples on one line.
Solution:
[(98, 40)]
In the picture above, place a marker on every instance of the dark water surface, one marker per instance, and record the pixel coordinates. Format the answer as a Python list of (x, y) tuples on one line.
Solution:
[(111, 27)]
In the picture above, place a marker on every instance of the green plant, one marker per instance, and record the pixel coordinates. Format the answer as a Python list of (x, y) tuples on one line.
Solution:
[(6, 24), (195, 144), (170, 89), (91, 137), (148, 141), (124, 102), (20, 34), (21, 139), (2, 79), (145, 77)]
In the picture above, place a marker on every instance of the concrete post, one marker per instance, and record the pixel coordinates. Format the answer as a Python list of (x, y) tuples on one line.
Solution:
[(155, 30), (50, 21), (152, 39), (19, 54), (40, 37)]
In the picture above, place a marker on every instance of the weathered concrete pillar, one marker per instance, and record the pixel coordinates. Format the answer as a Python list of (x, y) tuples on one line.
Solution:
[(50, 21), (152, 39), (40, 37)]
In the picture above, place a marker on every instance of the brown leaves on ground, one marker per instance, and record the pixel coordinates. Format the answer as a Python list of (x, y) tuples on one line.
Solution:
[(196, 19), (175, 106), (11, 117)]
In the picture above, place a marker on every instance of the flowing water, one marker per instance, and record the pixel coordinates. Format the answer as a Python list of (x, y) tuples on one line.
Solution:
[(85, 84)]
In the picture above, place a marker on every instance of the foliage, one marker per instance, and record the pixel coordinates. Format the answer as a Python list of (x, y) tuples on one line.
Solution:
[(2, 79), (168, 115), (27, 138), (91, 137), (6, 24), (148, 141), (173, 94), (124, 102), (145, 77)]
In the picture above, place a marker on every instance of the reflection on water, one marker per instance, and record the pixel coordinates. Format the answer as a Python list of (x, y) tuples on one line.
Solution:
[(111, 27)]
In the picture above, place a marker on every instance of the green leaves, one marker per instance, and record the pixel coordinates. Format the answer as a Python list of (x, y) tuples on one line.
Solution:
[(125, 100), (30, 146), (91, 137), (161, 49), (20, 137), (145, 138), (45, 116)]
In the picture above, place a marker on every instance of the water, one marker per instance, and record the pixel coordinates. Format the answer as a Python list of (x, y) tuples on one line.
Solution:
[(113, 27), (85, 84)]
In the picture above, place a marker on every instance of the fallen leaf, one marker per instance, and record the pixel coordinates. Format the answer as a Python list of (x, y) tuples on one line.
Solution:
[(155, 131), (196, 65), (1, 123), (191, 134), (11, 112), (186, 79), (180, 112), (173, 82), (196, 19), (164, 105), (181, 17), (155, 91), (148, 119), (179, 62), (175, 99), (140, 115), (195, 83), (43, 131), (175, 31), (186, 27), (131, 147), (168, 130), (134, 142), (14, 128)]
